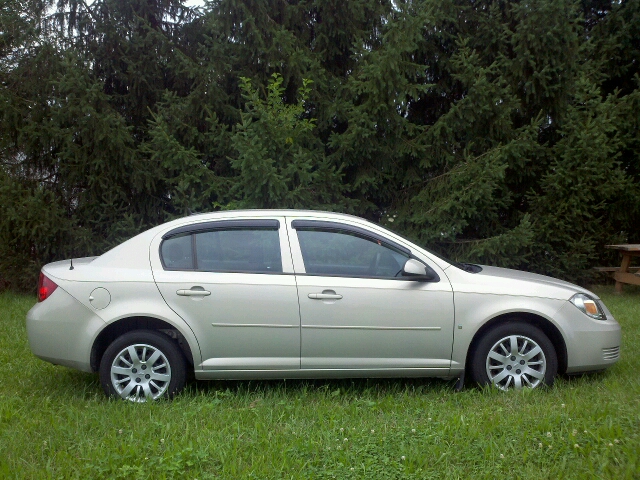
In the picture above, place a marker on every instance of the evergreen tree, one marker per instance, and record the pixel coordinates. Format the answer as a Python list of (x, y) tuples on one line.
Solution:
[(497, 132), (278, 159), (78, 95)]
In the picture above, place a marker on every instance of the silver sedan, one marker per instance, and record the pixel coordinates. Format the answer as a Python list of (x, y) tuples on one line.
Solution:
[(304, 294)]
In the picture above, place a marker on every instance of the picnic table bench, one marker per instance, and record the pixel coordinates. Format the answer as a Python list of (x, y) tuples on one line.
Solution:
[(624, 273)]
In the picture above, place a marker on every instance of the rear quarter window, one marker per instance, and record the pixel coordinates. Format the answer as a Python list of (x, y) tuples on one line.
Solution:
[(176, 253)]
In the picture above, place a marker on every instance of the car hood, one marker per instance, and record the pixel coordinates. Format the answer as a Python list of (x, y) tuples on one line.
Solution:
[(528, 277), (503, 281)]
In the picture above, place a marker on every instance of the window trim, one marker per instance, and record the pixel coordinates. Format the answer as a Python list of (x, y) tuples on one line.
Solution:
[(330, 226), (192, 230), (337, 227), (257, 224)]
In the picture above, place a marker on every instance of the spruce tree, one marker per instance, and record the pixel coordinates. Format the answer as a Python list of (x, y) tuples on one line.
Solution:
[(495, 132)]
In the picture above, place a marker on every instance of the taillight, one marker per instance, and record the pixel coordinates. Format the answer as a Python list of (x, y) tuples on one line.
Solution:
[(45, 287)]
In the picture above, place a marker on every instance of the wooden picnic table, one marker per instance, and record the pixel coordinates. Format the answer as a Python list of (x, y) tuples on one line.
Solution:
[(623, 275)]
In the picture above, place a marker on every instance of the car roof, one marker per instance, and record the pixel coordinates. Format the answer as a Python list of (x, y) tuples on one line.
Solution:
[(273, 212)]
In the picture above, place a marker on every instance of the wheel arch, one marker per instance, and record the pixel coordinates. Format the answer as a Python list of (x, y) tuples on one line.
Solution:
[(547, 327), (128, 324)]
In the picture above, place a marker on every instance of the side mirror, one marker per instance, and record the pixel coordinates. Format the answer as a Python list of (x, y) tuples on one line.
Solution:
[(419, 271)]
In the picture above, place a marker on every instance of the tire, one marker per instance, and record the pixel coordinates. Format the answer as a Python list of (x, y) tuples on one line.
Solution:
[(514, 355), (142, 365)]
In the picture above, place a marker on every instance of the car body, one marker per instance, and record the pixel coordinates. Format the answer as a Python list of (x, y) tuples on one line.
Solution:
[(260, 294)]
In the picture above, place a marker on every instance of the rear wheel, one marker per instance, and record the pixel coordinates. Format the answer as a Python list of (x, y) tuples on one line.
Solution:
[(142, 366), (514, 355)]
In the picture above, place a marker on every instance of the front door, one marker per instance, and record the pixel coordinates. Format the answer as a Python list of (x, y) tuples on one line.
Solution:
[(358, 312)]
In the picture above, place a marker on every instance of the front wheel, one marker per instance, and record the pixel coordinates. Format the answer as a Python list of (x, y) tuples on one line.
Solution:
[(142, 365), (514, 355)]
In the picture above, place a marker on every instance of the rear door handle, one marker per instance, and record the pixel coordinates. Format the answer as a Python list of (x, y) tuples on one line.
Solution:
[(325, 295), (200, 292)]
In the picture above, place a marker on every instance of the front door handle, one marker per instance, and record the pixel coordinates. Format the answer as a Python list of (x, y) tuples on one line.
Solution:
[(194, 292), (325, 295)]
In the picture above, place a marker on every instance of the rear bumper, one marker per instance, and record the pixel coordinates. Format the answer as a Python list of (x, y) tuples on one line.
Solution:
[(61, 331)]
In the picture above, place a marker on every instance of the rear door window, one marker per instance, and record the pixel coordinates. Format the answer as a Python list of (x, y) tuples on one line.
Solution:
[(239, 250), (236, 249)]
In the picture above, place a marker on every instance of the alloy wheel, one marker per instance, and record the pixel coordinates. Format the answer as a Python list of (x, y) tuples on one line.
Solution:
[(140, 372), (516, 361)]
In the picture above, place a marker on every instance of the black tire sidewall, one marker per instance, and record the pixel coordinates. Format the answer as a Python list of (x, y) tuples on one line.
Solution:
[(477, 368), (158, 340)]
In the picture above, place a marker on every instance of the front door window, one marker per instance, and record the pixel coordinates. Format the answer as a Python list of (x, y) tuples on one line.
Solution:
[(348, 254)]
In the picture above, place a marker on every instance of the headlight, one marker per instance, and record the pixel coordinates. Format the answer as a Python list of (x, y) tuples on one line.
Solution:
[(589, 306)]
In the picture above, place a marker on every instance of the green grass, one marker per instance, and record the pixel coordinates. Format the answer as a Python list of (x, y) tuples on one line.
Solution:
[(56, 423)]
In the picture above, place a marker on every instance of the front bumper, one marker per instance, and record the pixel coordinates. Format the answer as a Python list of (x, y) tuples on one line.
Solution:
[(591, 344)]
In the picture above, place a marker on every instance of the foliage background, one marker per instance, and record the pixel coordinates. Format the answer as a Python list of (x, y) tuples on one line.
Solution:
[(491, 131)]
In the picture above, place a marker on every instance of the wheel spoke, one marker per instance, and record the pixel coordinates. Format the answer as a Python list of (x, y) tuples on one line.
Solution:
[(126, 392), (158, 367), (139, 393), (532, 353), (133, 354), (513, 342), (147, 392), (121, 371), (534, 373), (501, 376), (497, 357), (154, 357), (517, 382), (122, 359), (163, 377)]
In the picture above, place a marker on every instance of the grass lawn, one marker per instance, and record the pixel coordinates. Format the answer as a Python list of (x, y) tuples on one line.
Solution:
[(56, 423)]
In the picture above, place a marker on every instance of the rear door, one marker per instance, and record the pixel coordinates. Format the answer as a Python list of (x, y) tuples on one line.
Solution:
[(232, 282)]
